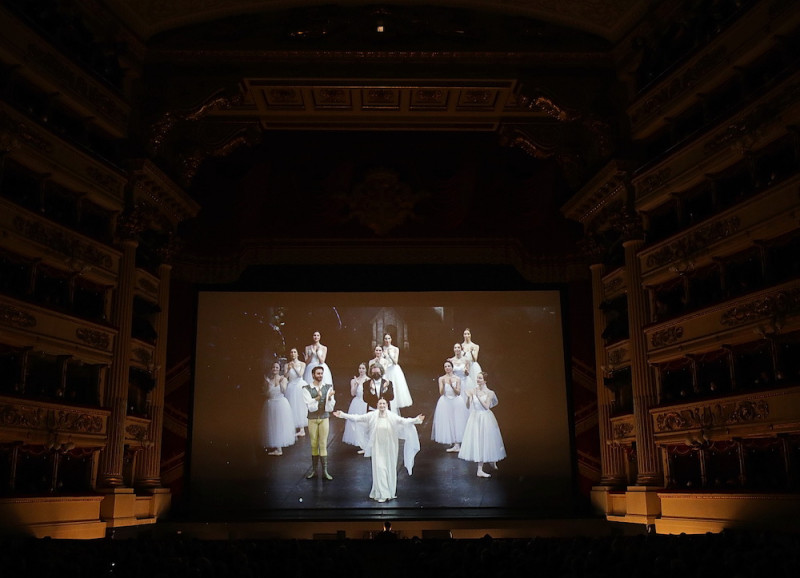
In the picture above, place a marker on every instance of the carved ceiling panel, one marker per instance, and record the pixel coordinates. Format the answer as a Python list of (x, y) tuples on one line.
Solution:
[(378, 105)]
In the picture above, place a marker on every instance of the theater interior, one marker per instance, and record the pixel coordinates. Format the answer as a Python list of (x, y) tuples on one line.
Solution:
[(605, 194)]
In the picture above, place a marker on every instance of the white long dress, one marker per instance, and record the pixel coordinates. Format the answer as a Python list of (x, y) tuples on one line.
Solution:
[(383, 433), (449, 418), (460, 367), (294, 393), (394, 373), (312, 362), (482, 440), (355, 433), (472, 364), (277, 422)]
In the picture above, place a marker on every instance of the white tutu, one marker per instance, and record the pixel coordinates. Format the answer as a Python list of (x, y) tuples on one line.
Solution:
[(402, 395), (294, 393), (277, 423), (355, 433), (482, 440), (449, 418)]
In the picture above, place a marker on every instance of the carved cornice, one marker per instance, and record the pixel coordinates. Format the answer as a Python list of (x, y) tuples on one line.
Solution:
[(63, 242), (21, 416), (623, 429), (243, 134), (711, 415), (151, 185), (775, 307), (742, 132), (611, 183), (615, 357), (58, 74), (135, 220), (760, 413), (18, 132), (666, 337), (613, 285), (94, 338), (682, 84), (135, 431), (10, 315), (694, 243), (50, 418), (653, 181), (78, 422)]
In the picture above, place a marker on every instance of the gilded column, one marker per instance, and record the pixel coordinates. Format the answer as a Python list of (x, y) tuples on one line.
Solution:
[(116, 394), (150, 471), (612, 459), (645, 394)]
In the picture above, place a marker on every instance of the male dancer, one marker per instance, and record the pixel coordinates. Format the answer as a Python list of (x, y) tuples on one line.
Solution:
[(320, 401), (377, 387)]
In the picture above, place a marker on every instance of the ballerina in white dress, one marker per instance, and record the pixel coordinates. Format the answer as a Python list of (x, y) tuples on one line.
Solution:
[(293, 372), (277, 422), (451, 414), (355, 433), (482, 441), (315, 356), (471, 350), (461, 370), (394, 373), (385, 429)]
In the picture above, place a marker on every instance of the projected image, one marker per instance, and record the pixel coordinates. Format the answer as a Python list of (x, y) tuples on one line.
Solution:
[(347, 403)]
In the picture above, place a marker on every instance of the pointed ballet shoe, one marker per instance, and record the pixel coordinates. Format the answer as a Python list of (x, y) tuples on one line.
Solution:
[(453, 449), (482, 474), (275, 453), (360, 452)]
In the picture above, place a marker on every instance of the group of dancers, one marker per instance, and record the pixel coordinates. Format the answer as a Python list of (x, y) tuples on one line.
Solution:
[(301, 395)]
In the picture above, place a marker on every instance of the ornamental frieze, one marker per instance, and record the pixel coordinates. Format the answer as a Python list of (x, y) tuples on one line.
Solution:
[(10, 315), (93, 338), (679, 85), (22, 132), (62, 242), (106, 180), (654, 181), (617, 356), (82, 85), (773, 306), (747, 128), (136, 431), (694, 243), (666, 337), (613, 285), (78, 422), (622, 430), (713, 415), (21, 416), (143, 355)]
